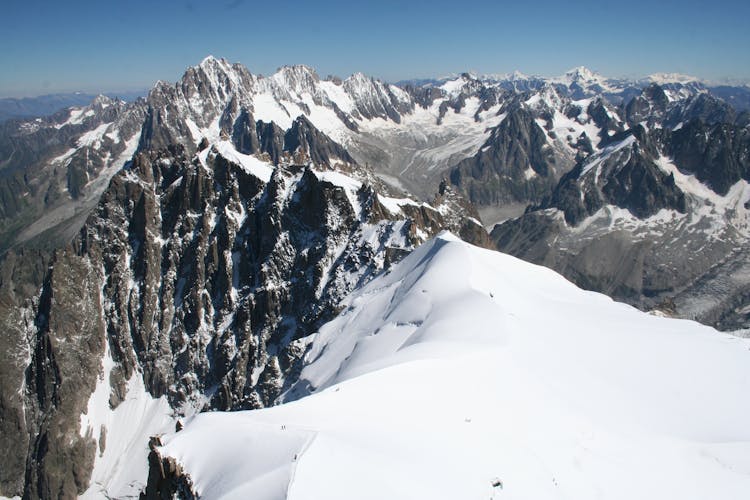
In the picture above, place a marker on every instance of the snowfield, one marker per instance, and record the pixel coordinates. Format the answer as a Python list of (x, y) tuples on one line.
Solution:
[(466, 373)]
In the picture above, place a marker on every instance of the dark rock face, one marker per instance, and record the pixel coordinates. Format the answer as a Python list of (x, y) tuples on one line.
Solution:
[(718, 155), (543, 134), (246, 133), (649, 107), (21, 276), (60, 459), (686, 257), (625, 178), (202, 276), (703, 107), (166, 479), (303, 138), (603, 118), (423, 96), (512, 166), (263, 275), (613, 264)]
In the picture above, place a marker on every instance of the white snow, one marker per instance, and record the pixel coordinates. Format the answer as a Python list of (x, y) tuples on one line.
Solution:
[(721, 211), (249, 163), (662, 78), (92, 137), (611, 218), (597, 159), (121, 470), (462, 367), (419, 144), (393, 205), (76, 116), (59, 160), (348, 184), (268, 109), (338, 95), (454, 87), (585, 78), (567, 130)]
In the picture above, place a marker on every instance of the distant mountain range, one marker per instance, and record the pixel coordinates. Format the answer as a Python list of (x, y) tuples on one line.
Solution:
[(45, 105), (178, 253)]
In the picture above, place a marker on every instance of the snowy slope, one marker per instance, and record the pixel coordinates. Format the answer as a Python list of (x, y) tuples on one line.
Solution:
[(122, 434), (465, 373)]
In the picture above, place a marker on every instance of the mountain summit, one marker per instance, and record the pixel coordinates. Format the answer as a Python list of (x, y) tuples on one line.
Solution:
[(496, 376), (183, 253)]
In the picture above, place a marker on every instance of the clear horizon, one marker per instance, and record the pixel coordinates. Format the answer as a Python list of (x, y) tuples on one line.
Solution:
[(96, 47)]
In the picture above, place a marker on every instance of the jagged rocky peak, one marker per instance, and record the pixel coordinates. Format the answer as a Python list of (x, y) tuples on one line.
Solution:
[(717, 154), (101, 109), (649, 107), (582, 73), (298, 77), (606, 116), (301, 144), (546, 100), (214, 81), (515, 165), (666, 205), (460, 215), (358, 81), (703, 107), (294, 84), (465, 83), (102, 101), (218, 67), (197, 277), (375, 99), (624, 175), (582, 82)]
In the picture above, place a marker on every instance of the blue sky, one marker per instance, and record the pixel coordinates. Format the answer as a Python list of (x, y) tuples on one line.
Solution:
[(105, 45)]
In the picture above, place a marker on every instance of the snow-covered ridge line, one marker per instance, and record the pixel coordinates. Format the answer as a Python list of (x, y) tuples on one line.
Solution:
[(445, 367)]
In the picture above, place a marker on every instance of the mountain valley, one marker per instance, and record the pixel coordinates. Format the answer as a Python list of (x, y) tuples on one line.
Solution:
[(213, 246)]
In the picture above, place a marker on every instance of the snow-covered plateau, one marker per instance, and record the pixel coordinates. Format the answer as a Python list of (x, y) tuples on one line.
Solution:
[(466, 373)]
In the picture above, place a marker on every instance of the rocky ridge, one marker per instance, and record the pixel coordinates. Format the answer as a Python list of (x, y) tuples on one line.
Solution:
[(411, 137), (658, 216), (229, 213), (187, 289)]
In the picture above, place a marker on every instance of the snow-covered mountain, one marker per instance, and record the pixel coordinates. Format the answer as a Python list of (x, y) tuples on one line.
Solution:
[(465, 373), (53, 169), (44, 105), (206, 256), (657, 216), (170, 255), (411, 137), (23, 108)]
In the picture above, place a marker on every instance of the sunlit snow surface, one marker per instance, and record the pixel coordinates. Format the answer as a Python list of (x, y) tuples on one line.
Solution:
[(463, 368)]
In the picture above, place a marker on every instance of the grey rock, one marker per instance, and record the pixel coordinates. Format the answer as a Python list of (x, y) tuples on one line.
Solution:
[(499, 173)]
